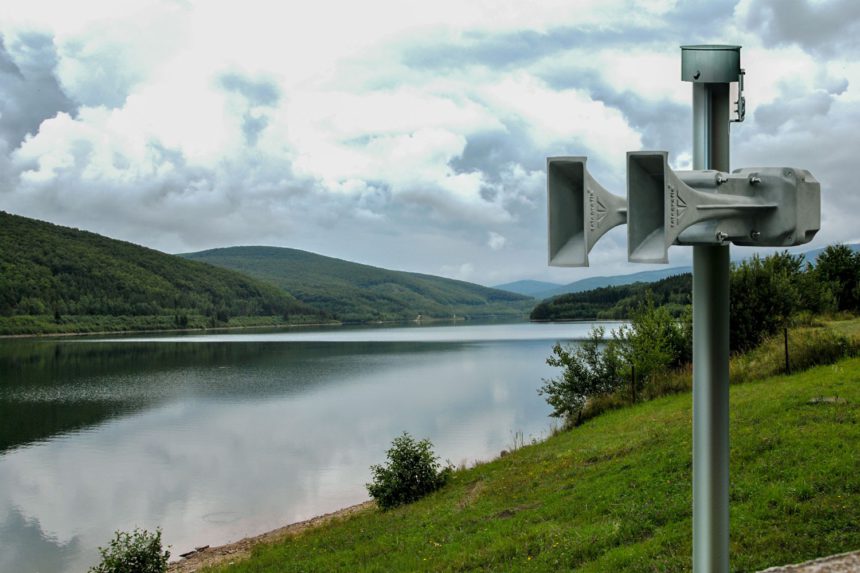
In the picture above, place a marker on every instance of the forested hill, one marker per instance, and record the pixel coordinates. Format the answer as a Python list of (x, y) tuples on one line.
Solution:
[(58, 279), (616, 301), (357, 293)]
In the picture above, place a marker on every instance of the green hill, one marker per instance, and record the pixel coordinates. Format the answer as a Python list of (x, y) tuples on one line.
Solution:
[(58, 279), (612, 302), (358, 293), (615, 494)]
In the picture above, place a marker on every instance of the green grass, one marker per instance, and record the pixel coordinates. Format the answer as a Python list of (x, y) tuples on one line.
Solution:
[(615, 494), (849, 327)]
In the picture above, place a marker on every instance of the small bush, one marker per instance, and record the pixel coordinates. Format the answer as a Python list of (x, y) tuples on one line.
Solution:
[(590, 369), (137, 552), (412, 472), (599, 373)]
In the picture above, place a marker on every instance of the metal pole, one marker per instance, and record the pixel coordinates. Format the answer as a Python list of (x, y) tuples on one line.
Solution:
[(711, 350)]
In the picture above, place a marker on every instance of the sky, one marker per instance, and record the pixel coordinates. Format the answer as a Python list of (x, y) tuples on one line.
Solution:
[(402, 134)]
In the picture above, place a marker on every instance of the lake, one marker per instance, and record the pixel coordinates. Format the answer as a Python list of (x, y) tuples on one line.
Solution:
[(215, 437)]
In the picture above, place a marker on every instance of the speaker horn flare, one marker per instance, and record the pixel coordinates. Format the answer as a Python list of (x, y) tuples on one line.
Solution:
[(580, 211)]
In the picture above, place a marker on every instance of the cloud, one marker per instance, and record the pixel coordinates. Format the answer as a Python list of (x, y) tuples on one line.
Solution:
[(29, 90), (394, 141), (827, 27), (496, 241), (774, 116), (257, 98), (463, 272)]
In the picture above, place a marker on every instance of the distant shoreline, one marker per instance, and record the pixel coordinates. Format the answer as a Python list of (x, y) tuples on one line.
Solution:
[(161, 330), (215, 330)]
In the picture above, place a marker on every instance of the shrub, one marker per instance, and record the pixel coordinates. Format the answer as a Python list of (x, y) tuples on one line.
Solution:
[(137, 552), (597, 372), (412, 472), (655, 340), (592, 368)]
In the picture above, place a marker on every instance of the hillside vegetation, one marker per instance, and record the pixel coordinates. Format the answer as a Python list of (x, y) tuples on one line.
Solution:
[(58, 279), (592, 283), (359, 293), (614, 302), (615, 494), (764, 293)]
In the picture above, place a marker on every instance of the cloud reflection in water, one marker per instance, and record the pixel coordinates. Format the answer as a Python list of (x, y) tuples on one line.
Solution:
[(221, 446)]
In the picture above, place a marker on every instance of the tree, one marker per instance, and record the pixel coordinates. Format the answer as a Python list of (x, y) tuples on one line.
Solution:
[(765, 294), (412, 471), (839, 267)]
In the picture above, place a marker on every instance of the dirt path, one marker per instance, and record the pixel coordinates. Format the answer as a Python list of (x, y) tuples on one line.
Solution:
[(242, 548)]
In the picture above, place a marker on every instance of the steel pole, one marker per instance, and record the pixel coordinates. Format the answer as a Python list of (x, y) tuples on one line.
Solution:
[(711, 350)]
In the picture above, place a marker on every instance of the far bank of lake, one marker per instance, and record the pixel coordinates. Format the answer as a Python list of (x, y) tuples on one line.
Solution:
[(214, 437)]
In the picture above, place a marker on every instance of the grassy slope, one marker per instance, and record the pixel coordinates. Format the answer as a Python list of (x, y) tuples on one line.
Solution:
[(356, 292), (615, 494), (98, 283)]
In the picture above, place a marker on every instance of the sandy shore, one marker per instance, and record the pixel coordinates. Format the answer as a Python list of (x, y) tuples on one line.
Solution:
[(241, 549)]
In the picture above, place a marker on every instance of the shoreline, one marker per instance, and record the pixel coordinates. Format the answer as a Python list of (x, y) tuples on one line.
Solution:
[(258, 327), (163, 330), (236, 550)]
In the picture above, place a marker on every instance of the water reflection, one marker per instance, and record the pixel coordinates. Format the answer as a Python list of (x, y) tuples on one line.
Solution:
[(25, 545), (47, 389), (216, 441)]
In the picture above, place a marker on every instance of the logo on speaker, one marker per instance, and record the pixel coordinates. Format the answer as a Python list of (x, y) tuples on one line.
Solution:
[(677, 206), (596, 210)]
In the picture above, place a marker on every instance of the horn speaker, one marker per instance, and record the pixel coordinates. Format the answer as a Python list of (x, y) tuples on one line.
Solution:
[(580, 211)]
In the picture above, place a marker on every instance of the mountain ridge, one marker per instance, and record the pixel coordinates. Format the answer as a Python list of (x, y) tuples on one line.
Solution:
[(356, 292), (57, 279)]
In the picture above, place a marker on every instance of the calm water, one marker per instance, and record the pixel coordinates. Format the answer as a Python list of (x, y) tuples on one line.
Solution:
[(216, 437)]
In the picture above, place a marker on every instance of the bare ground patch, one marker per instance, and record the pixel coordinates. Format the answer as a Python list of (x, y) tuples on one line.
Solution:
[(241, 549)]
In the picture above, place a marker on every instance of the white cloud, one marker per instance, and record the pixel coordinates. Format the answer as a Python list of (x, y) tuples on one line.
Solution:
[(395, 133), (463, 272), (496, 241)]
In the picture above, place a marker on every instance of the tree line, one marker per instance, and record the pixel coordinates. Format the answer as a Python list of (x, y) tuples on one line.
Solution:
[(767, 295)]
